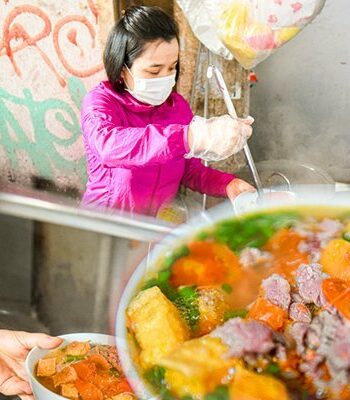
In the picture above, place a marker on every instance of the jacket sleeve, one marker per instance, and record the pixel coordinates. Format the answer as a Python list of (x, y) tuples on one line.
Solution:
[(128, 147), (204, 179)]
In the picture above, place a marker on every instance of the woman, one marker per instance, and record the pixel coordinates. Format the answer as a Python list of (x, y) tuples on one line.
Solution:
[(141, 139)]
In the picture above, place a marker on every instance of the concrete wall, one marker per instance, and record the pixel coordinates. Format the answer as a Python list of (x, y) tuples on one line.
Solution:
[(15, 259), (301, 103), (50, 55)]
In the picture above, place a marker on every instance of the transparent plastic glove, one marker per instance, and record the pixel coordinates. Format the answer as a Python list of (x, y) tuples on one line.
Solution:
[(217, 138), (14, 347)]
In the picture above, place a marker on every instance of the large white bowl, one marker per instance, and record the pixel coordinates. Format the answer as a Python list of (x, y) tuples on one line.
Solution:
[(303, 196), (40, 392)]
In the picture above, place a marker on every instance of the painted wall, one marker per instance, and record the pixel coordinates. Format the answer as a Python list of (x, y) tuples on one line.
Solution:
[(302, 102), (50, 56)]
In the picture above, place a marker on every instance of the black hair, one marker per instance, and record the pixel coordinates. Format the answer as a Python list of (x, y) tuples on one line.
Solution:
[(126, 41)]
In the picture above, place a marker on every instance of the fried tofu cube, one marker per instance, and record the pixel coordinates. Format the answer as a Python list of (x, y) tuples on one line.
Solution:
[(249, 385), (78, 348), (58, 354), (157, 325), (67, 375), (46, 367), (212, 307), (197, 367), (69, 390), (124, 396)]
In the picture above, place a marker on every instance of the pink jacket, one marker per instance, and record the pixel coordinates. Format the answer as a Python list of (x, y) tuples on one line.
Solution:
[(135, 152)]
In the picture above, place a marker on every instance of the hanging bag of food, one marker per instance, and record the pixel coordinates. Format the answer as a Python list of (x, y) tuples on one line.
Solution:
[(250, 30)]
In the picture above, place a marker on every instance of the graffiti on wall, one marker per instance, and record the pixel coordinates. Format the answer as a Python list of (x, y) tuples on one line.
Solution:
[(49, 57)]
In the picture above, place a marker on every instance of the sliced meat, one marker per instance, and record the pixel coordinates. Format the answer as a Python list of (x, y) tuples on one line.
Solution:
[(312, 368), (110, 354), (276, 289), (312, 246), (300, 313), (309, 279), (281, 352), (322, 332), (297, 332), (245, 337), (296, 298), (330, 228), (251, 257), (327, 347), (306, 227), (330, 324), (338, 349), (318, 236)]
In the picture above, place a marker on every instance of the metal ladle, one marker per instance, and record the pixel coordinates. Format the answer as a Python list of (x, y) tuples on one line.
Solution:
[(214, 71)]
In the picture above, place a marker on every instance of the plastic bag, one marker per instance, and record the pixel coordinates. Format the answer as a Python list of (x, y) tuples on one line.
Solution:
[(201, 15), (250, 29)]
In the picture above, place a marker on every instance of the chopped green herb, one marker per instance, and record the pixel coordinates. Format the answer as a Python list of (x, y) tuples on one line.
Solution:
[(227, 288), (163, 276), (273, 369), (155, 376), (235, 314), (114, 372), (305, 395), (166, 394), (178, 253), (187, 303), (187, 397), (202, 236), (346, 236), (70, 358), (252, 231), (188, 292), (163, 284), (220, 393), (150, 283)]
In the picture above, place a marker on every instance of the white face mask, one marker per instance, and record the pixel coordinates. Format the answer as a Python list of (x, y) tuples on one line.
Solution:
[(152, 91)]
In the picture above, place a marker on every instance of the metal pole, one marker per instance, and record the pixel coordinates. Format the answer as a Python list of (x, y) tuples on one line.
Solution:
[(212, 70), (206, 114)]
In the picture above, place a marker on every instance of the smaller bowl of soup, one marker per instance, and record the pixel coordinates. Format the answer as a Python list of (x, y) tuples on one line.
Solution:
[(84, 367)]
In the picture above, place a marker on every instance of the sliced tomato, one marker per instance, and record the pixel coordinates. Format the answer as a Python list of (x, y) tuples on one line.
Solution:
[(263, 310), (287, 264), (283, 241), (284, 246), (99, 361), (337, 293), (207, 264), (88, 391), (119, 385), (86, 371)]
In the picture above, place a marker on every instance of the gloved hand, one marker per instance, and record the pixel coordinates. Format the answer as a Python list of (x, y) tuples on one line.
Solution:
[(217, 138), (238, 186)]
